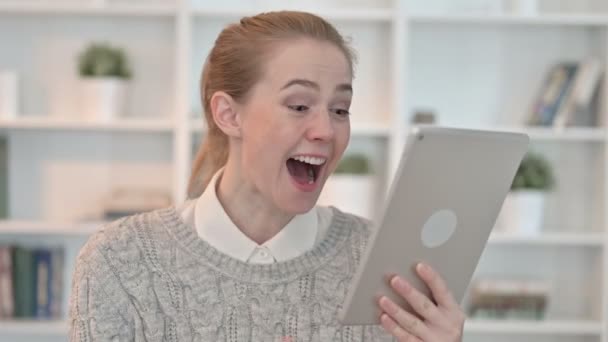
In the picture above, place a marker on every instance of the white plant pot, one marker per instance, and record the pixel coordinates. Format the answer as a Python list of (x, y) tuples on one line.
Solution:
[(103, 98), (9, 94), (350, 193), (522, 212)]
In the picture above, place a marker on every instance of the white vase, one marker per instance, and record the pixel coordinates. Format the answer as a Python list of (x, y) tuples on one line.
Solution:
[(350, 193), (9, 94), (103, 98), (522, 212)]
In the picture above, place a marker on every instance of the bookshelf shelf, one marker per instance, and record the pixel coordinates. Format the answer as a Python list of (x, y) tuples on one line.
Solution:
[(42, 228), (550, 239), (343, 14), (80, 8), (33, 327), (568, 134), (378, 130), (133, 125), (549, 327), (507, 19), (582, 134)]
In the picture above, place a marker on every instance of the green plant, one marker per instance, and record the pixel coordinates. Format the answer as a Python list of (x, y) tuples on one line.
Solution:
[(353, 164), (101, 59), (534, 173)]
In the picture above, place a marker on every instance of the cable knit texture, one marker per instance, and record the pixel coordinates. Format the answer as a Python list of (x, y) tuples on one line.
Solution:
[(150, 277)]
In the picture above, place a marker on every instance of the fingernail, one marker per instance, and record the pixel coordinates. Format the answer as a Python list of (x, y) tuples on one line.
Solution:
[(400, 284), (421, 267), (387, 305)]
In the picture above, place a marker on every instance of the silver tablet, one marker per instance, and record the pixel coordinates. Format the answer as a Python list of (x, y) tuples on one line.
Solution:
[(442, 205)]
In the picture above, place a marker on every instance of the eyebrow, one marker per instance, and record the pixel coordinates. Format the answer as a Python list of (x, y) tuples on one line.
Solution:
[(310, 84)]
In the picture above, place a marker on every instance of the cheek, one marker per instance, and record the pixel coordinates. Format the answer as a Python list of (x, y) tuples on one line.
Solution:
[(342, 138)]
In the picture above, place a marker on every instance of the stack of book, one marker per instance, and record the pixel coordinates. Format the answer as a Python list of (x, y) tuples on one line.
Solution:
[(31, 282), (509, 299)]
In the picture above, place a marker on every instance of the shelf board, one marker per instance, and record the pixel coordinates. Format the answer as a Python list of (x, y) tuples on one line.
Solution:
[(34, 327), (356, 129), (43, 228), (549, 327), (77, 7), (345, 14), (510, 19), (568, 134), (42, 123), (550, 239)]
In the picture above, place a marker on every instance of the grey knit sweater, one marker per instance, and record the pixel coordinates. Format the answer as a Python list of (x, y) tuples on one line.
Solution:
[(150, 277)]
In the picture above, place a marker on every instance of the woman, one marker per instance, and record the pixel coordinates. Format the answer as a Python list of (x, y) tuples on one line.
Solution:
[(250, 257)]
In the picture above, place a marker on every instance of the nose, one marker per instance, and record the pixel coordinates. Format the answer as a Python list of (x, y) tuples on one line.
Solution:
[(321, 126)]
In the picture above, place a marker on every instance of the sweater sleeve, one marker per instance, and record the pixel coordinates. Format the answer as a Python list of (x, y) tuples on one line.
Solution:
[(99, 308)]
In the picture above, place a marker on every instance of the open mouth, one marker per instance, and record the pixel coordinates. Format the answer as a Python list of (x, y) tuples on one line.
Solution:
[(304, 169)]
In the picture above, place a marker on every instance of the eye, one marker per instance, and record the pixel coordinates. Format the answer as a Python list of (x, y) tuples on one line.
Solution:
[(298, 108), (341, 112)]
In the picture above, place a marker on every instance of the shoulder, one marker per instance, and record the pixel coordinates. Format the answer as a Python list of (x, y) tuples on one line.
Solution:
[(358, 230), (120, 241)]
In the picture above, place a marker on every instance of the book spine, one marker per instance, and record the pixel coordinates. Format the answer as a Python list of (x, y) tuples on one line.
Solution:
[(24, 282), (57, 268), (43, 283), (6, 283)]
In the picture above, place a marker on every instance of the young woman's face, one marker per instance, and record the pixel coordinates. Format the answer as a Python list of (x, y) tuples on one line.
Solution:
[(295, 123)]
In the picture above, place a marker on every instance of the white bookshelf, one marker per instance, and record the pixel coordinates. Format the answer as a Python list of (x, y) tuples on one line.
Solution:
[(34, 328), (506, 19), (535, 328), (42, 123), (475, 70)]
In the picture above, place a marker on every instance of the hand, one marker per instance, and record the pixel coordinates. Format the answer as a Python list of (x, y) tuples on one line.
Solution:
[(441, 322)]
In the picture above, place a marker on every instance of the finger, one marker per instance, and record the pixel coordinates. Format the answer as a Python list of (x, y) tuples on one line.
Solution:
[(394, 329), (438, 287), (418, 301), (406, 321)]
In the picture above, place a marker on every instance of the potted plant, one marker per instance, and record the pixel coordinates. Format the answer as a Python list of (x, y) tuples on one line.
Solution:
[(104, 73), (351, 187), (523, 209)]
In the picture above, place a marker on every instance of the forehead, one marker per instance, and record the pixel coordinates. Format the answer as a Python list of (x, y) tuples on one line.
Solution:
[(308, 59)]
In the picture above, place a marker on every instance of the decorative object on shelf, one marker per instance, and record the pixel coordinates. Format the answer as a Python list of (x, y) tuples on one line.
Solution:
[(9, 94), (523, 209), (567, 95), (104, 72), (509, 299), (424, 116), (351, 187), (126, 202)]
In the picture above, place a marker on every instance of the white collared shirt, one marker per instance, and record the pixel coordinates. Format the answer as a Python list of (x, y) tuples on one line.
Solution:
[(215, 227)]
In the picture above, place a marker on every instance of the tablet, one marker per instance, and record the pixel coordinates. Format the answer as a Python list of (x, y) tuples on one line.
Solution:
[(442, 205)]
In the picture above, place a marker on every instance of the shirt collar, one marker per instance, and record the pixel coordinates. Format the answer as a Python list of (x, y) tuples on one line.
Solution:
[(214, 226)]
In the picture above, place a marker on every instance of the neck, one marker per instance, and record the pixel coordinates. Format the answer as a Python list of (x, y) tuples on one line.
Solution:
[(247, 208)]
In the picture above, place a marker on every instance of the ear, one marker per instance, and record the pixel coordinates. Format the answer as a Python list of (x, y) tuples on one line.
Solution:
[(225, 114)]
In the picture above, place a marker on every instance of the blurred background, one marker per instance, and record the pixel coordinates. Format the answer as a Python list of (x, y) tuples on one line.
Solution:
[(100, 117)]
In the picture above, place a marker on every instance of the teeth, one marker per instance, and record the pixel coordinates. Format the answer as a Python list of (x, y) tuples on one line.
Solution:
[(310, 160)]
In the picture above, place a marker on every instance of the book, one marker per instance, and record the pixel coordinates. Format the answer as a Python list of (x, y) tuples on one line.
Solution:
[(57, 281), (577, 104), (553, 93), (44, 275), (6, 282), (24, 282)]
